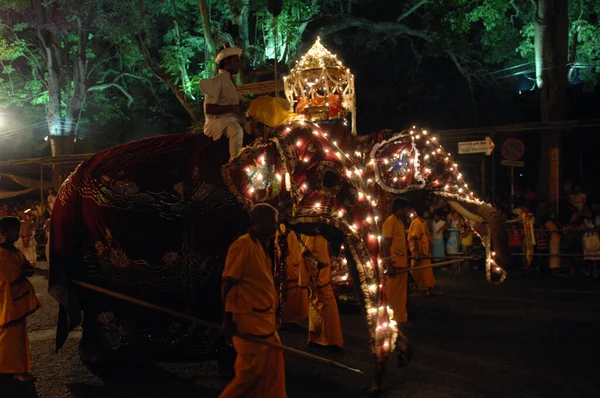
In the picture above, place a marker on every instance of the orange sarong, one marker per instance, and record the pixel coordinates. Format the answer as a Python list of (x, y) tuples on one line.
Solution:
[(295, 307), (396, 287), (259, 371), (418, 240), (17, 301), (324, 326)]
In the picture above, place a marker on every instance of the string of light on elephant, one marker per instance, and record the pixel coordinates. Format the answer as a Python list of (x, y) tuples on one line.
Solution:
[(408, 163)]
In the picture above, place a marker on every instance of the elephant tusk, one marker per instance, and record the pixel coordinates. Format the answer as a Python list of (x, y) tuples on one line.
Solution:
[(466, 213)]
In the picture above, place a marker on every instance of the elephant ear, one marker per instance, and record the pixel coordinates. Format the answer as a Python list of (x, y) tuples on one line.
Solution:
[(258, 174), (395, 164), (412, 160)]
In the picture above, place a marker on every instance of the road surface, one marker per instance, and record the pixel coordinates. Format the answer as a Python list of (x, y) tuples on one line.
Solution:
[(529, 337)]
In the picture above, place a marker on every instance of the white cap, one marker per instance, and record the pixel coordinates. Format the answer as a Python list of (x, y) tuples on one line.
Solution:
[(228, 52)]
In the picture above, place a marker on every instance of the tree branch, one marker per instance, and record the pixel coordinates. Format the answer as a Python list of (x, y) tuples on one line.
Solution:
[(101, 87), (463, 72), (411, 10), (114, 83), (390, 28), (512, 17)]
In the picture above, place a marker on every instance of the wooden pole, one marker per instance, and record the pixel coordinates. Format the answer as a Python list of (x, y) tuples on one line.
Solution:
[(213, 326), (483, 176), (41, 189), (433, 265)]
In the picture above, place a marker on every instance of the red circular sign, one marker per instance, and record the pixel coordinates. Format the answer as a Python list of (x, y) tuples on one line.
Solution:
[(513, 149)]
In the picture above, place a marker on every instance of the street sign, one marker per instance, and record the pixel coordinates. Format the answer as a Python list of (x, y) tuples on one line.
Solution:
[(512, 149), (484, 146), (512, 163)]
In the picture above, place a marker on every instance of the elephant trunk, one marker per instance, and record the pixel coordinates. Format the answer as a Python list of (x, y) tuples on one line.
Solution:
[(490, 225)]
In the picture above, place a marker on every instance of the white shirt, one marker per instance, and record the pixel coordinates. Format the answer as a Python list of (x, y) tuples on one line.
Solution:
[(437, 225), (220, 90)]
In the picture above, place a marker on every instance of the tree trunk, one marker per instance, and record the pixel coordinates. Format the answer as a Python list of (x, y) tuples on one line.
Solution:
[(552, 36), (61, 145), (211, 46)]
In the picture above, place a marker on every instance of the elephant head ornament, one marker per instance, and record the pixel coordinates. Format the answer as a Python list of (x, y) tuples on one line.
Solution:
[(396, 163)]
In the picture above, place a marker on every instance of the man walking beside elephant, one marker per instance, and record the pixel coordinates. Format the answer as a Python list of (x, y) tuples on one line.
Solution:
[(395, 250), (250, 301)]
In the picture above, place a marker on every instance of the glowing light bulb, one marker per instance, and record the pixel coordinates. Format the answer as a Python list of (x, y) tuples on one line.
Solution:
[(278, 176), (318, 204), (315, 132), (298, 143), (305, 160)]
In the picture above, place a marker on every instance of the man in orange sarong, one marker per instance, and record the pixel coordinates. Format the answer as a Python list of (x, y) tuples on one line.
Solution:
[(419, 244), (395, 250), (250, 301), (324, 327), (295, 307), (17, 301)]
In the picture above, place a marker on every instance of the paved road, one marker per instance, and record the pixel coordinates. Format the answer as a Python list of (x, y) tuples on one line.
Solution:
[(529, 337)]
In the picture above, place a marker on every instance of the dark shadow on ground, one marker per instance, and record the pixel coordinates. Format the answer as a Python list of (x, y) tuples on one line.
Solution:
[(310, 385), (139, 380), (9, 387)]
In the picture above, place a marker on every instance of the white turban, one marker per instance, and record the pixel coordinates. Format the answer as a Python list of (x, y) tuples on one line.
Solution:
[(228, 52)]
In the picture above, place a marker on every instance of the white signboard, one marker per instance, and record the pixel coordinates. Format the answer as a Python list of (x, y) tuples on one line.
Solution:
[(485, 146), (512, 163)]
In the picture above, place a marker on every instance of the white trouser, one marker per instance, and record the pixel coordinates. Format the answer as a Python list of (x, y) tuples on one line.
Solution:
[(235, 134)]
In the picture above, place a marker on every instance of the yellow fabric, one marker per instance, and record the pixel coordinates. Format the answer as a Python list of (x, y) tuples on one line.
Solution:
[(324, 325), (418, 240), (259, 371), (528, 222), (253, 300), (397, 296), (394, 229), (295, 308), (554, 244), (397, 284), (17, 298), (468, 239), (14, 349), (270, 111), (17, 301)]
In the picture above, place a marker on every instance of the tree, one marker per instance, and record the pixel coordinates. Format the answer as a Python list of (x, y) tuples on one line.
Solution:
[(57, 59)]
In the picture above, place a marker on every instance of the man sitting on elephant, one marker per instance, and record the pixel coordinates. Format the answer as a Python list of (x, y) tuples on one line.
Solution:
[(250, 302), (223, 105)]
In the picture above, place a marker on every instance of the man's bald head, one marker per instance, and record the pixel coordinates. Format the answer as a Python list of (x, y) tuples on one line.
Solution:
[(264, 219)]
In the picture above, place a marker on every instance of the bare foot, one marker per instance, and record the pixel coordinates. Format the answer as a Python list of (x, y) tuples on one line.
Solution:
[(373, 390), (24, 377)]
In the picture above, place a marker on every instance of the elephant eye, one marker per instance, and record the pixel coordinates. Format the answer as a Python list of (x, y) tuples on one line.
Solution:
[(330, 179)]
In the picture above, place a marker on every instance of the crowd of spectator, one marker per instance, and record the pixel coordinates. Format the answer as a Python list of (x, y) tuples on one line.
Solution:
[(35, 218)]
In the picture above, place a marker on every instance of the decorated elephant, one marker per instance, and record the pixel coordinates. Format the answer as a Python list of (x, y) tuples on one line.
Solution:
[(413, 160), (153, 219)]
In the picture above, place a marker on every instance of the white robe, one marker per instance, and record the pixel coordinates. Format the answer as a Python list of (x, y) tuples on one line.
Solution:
[(220, 90)]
